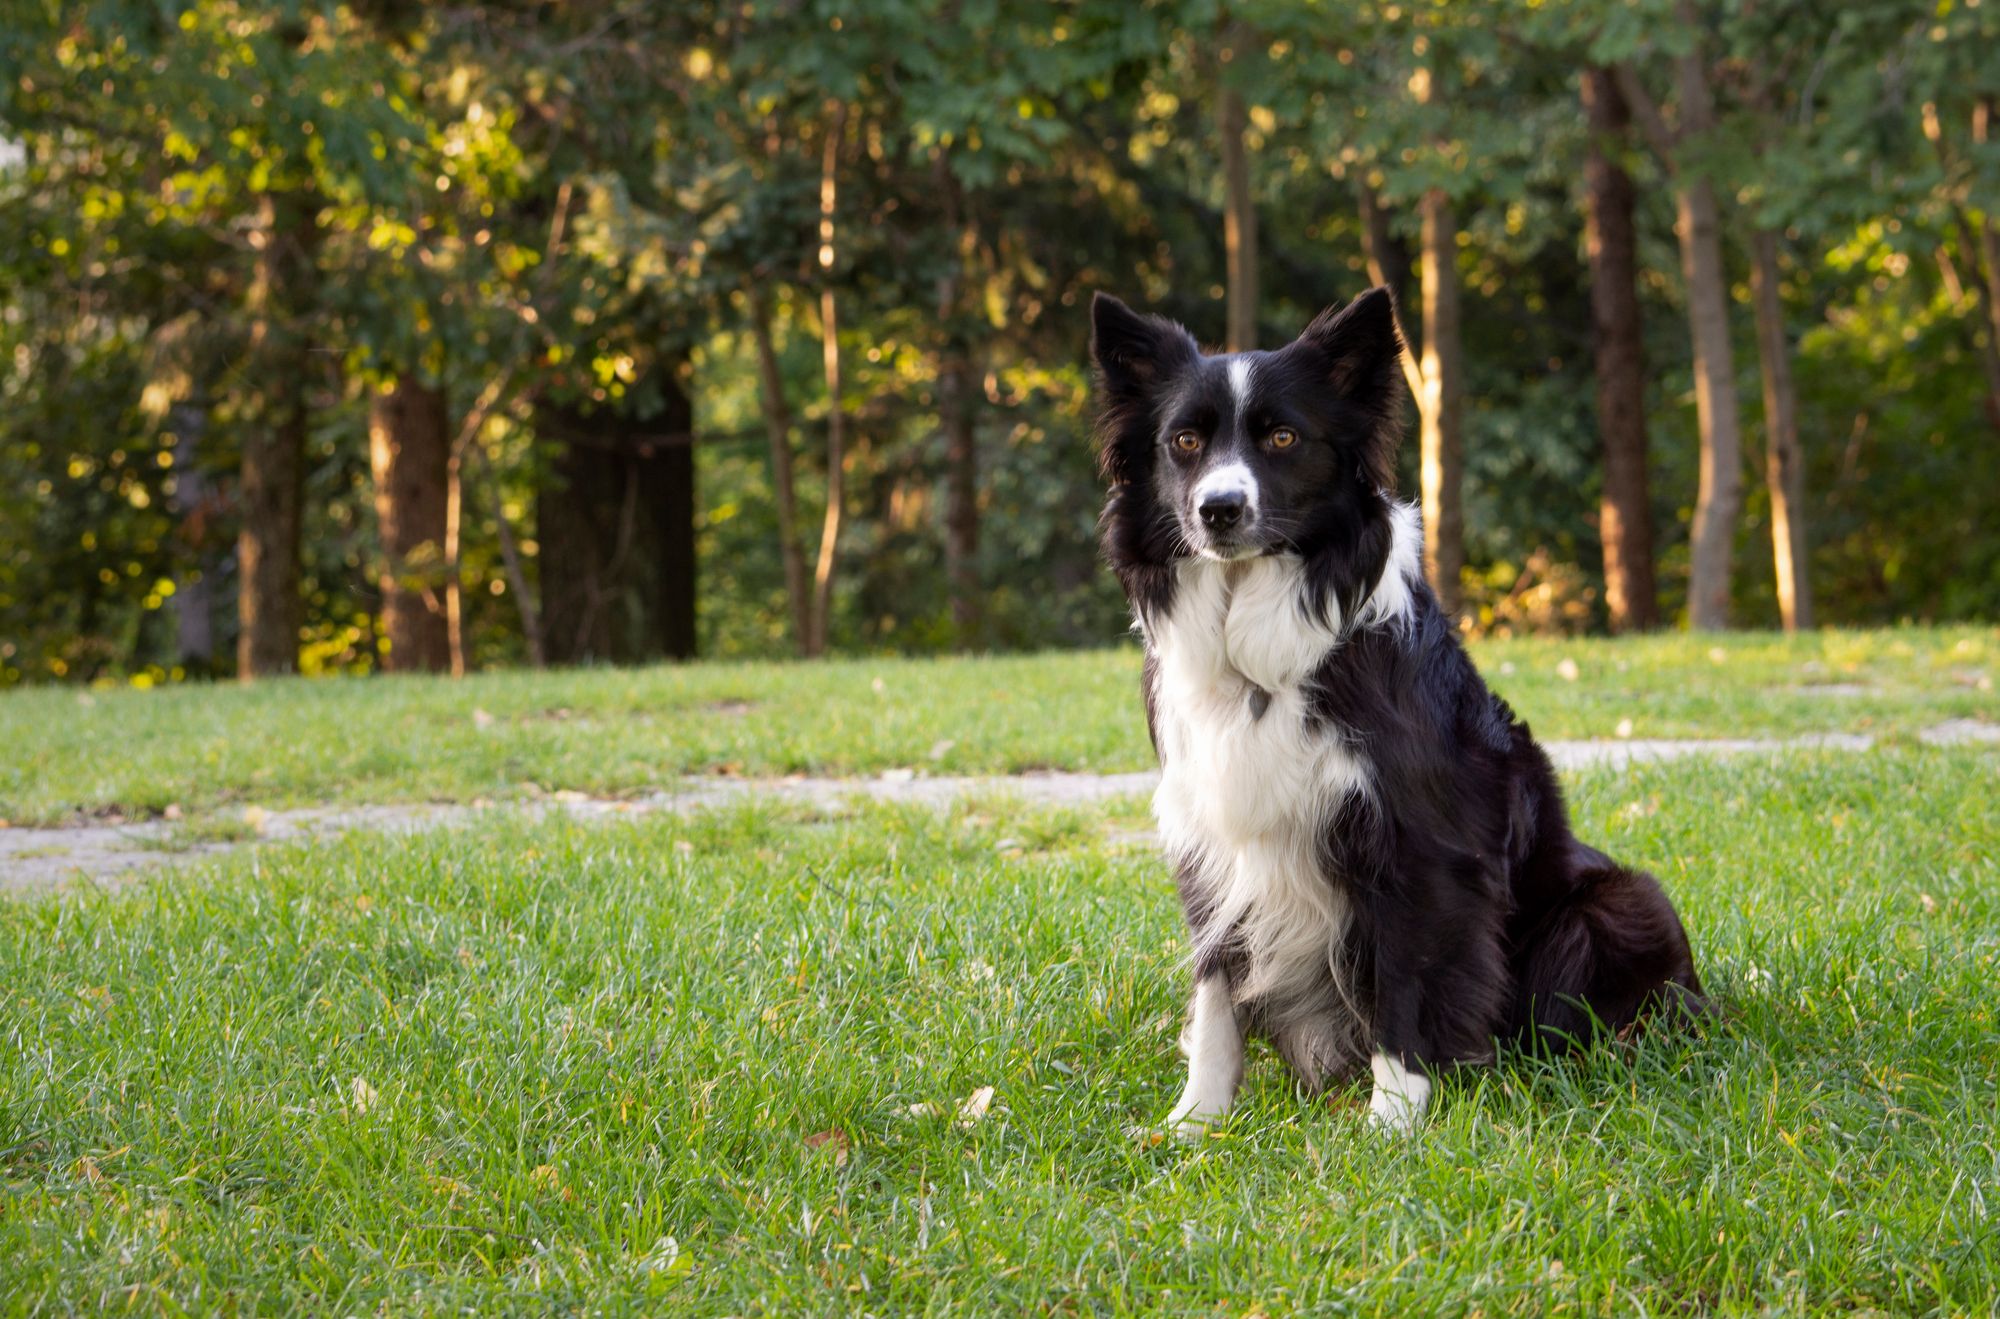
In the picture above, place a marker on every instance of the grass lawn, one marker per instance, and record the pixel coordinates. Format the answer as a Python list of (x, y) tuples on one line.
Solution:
[(716, 1065), (500, 735)]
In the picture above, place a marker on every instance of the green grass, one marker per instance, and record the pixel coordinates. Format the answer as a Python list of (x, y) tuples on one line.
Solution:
[(502, 735), (557, 1067)]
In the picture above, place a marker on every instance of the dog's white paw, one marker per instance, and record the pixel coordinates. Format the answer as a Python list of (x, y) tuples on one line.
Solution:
[(1400, 1096), (1392, 1114), (1192, 1118)]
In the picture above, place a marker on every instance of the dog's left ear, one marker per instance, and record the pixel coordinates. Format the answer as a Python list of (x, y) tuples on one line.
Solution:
[(1361, 350), (1135, 354)]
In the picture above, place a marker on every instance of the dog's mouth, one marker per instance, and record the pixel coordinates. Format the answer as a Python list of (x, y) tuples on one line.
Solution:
[(1229, 545)]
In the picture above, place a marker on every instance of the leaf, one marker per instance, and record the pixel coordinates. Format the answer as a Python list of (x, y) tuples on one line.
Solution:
[(975, 1106), (833, 1138)]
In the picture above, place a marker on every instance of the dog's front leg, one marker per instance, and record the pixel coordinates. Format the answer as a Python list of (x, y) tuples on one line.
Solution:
[(1213, 1043), (1402, 1084), (1439, 984), (1401, 1093)]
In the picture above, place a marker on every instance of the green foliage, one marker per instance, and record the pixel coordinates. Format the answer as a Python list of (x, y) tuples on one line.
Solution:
[(556, 206)]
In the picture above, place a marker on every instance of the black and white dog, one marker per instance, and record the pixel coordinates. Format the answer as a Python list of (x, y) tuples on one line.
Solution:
[(1371, 850)]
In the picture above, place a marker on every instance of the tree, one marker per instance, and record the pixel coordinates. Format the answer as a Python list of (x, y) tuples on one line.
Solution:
[(1719, 496), (1441, 405), (409, 449), (1239, 210), (1625, 516), (616, 520), (777, 412)]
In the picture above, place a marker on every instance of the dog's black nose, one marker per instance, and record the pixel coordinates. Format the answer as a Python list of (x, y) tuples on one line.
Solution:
[(1224, 509)]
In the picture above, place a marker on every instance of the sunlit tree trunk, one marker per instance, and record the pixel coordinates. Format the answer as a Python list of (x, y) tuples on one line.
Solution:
[(271, 489), (778, 430), (409, 452), (1719, 491), (1442, 404), (1239, 225), (1625, 517), (1386, 256), (1719, 488), (1440, 382), (1784, 464), (836, 415), (1388, 264)]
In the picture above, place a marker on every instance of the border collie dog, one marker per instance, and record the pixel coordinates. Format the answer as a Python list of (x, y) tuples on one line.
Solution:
[(1371, 850)]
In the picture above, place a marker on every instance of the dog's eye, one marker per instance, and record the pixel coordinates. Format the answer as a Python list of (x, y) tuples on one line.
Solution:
[(1284, 437), (1187, 441)]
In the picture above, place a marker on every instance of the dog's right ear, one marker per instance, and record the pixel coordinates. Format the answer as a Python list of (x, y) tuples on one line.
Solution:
[(1135, 353)]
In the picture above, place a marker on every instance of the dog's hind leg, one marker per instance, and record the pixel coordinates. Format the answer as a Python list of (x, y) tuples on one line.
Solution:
[(1609, 952), (1323, 1048)]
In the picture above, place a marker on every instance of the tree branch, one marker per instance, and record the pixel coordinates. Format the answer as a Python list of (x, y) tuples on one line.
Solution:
[(1646, 112)]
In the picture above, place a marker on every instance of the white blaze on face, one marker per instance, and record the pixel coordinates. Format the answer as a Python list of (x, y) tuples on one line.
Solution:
[(1233, 477), (1239, 381), (1230, 478)]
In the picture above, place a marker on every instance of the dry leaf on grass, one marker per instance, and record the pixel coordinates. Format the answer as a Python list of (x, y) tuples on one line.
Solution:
[(834, 1139), (975, 1106)]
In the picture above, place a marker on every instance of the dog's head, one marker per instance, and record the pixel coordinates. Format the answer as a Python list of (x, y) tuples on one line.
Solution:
[(1237, 455)]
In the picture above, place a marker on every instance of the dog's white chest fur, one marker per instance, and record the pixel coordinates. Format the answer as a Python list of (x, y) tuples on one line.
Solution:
[(1246, 793), (1247, 786)]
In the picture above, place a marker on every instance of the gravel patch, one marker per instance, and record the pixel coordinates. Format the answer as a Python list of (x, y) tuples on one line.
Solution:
[(108, 855)]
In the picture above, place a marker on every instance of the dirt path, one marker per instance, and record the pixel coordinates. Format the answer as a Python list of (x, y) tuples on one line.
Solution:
[(34, 860)]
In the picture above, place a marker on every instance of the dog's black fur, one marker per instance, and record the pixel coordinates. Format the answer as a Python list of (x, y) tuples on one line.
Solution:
[(1474, 913)]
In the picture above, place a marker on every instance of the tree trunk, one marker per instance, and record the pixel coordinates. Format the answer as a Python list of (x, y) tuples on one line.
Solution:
[(1239, 226), (1625, 516), (1442, 404), (778, 429), (1719, 494), (836, 416), (1387, 257), (1987, 261), (409, 452), (958, 418), (274, 436), (1784, 464), (1985, 292), (1389, 266), (193, 504), (958, 412), (836, 474), (616, 524)]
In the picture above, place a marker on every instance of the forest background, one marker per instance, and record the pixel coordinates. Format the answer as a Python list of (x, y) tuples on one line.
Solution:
[(382, 335)]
